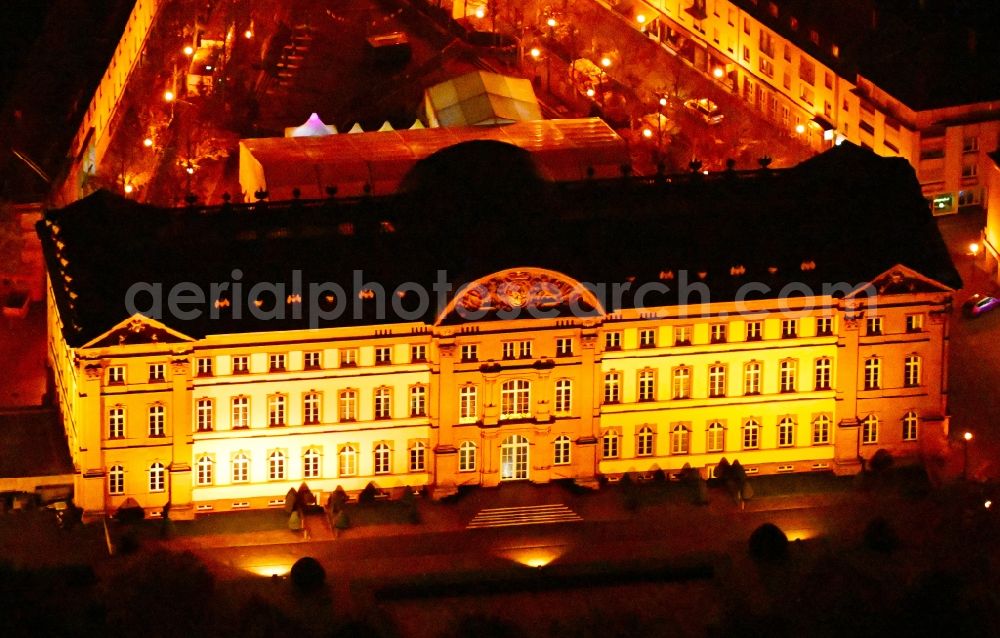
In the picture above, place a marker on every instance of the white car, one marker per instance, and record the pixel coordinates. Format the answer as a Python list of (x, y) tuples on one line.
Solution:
[(706, 108)]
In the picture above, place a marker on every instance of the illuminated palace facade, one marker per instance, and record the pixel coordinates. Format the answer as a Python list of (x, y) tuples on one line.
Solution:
[(527, 373)]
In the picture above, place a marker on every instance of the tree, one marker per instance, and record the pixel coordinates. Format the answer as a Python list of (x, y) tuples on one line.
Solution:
[(307, 575), (768, 543), (336, 501), (295, 521), (368, 494), (342, 521), (291, 500), (881, 461)]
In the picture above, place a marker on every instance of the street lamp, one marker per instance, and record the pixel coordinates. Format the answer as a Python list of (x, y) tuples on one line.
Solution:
[(974, 252), (605, 64), (148, 142), (189, 50), (966, 437), (717, 73)]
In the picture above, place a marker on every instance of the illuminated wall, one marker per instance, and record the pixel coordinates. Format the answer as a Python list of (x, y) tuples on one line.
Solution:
[(482, 402)]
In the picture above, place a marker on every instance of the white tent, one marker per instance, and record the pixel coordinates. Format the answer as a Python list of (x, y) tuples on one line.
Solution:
[(481, 98), (563, 150), (313, 127)]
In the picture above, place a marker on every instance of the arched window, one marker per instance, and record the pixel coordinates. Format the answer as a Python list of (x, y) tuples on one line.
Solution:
[(514, 458), (383, 403), (910, 426), (310, 464), (821, 430), (873, 373), (116, 422), (751, 435), (206, 470), (468, 404), (348, 461), (382, 454), (911, 370), (515, 399), (869, 430), (276, 466), (716, 437), (467, 457), (644, 441), (157, 477), (116, 480), (679, 439), (786, 432), (241, 468), (418, 457), (561, 454)]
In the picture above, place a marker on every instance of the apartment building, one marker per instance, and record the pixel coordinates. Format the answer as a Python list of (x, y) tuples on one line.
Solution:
[(904, 83), (213, 358)]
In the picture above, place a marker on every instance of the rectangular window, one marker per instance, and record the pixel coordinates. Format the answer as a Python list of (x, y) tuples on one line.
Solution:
[(970, 144), (276, 362), (383, 403), (789, 328), (751, 378), (873, 326), (564, 347), (717, 381), (203, 415), (767, 67), (868, 128), (647, 385), (157, 419), (157, 372), (824, 326), (348, 357), (311, 360), (910, 426), (786, 375), (116, 423), (869, 430), (787, 52), (766, 43), (116, 375), (807, 71), (681, 388), (348, 408), (828, 80), (823, 373), (914, 323), (751, 435), (731, 17), (786, 433), (873, 373), (561, 455), (746, 53), (912, 370), (204, 366), (241, 364), (755, 330), (718, 333), (806, 94), (682, 335), (470, 352), (516, 349), (969, 169), (613, 340), (564, 396), (276, 404), (609, 446), (383, 355), (612, 387), (647, 338), (468, 404), (418, 354), (515, 399), (311, 408), (821, 430), (241, 412), (524, 349), (418, 400), (746, 26)]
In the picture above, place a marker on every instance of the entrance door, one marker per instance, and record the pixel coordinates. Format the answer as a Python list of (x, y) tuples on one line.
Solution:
[(514, 458)]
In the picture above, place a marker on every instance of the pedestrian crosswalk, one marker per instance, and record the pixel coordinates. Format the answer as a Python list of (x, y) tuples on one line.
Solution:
[(529, 515)]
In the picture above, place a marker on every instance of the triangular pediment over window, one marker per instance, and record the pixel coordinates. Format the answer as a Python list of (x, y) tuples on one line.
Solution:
[(900, 280), (137, 329)]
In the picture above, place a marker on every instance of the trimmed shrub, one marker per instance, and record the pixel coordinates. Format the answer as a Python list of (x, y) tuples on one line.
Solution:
[(746, 492), (336, 501), (342, 521), (722, 470), (305, 497), (881, 461), (880, 536), (290, 500), (408, 496), (295, 521), (307, 575), (701, 492), (768, 543), (368, 494)]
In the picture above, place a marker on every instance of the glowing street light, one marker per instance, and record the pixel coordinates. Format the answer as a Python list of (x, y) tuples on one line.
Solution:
[(966, 437), (148, 142), (169, 96), (974, 249), (248, 34), (535, 53), (800, 129), (663, 101), (605, 62), (717, 73), (128, 189), (189, 50), (551, 22), (647, 133), (641, 19), (480, 12)]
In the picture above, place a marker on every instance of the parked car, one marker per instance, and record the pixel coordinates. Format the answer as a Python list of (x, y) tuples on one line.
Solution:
[(706, 108), (978, 304)]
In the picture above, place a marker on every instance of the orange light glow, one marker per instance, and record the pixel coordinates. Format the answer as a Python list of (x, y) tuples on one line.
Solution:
[(533, 556), (718, 72), (800, 129), (535, 52), (189, 50), (148, 142), (967, 436), (641, 19), (647, 133), (248, 34), (480, 13), (974, 248), (128, 189), (551, 22), (168, 96), (605, 62)]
